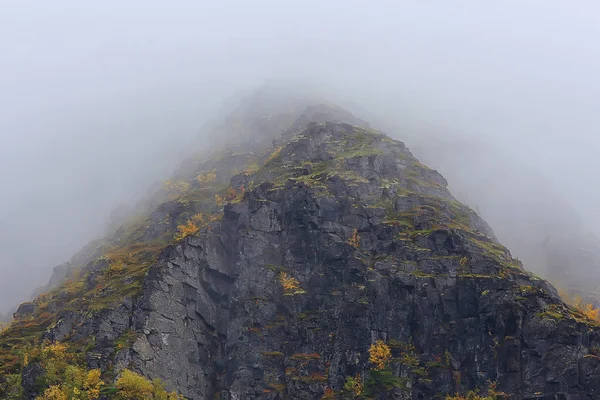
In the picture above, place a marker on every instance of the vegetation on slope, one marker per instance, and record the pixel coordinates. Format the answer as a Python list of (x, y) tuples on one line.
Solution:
[(193, 204), (116, 275)]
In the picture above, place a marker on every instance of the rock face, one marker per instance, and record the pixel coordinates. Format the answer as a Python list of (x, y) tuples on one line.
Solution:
[(528, 215), (217, 298), (24, 310), (337, 239)]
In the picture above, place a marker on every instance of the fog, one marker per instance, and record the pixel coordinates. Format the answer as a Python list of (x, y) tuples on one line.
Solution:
[(101, 100)]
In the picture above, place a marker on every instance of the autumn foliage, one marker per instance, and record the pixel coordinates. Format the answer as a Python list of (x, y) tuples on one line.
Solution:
[(380, 354), (329, 394), (354, 240), (207, 177), (492, 394), (354, 385), (80, 385), (587, 309), (133, 386), (232, 195), (288, 282), (185, 230)]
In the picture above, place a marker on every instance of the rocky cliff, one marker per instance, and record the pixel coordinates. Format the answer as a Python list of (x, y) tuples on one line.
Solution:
[(528, 215), (322, 262)]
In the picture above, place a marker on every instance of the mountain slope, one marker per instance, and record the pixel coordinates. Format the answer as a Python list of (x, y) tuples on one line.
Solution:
[(328, 263), (531, 218)]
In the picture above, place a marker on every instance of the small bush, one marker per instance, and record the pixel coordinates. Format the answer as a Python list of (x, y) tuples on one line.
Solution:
[(329, 394), (380, 354), (207, 177), (232, 195), (587, 309), (53, 393), (185, 230), (354, 240), (354, 385), (290, 284)]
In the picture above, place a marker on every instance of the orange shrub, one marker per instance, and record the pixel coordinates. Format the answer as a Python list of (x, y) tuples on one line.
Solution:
[(380, 354)]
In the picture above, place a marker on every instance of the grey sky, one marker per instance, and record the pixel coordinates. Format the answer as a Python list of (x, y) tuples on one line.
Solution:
[(98, 99)]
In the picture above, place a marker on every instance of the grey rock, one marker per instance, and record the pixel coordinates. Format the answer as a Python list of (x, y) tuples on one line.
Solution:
[(381, 251)]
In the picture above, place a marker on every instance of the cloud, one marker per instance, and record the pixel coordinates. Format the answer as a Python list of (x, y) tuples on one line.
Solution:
[(101, 100)]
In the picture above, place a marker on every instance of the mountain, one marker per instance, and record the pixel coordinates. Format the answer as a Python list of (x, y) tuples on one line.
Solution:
[(529, 216), (305, 256), (528, 213)]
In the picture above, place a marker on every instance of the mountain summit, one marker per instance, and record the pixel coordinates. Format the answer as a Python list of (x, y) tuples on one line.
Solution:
[(306, 256)]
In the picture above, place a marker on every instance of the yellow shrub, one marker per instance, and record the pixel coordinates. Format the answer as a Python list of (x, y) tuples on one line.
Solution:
[(57, 349), (185, 230), (53, 393), (586, 309), (177, 186), (232, 195), (380, 354), (288, 282), (134, 386), (201, 220), (207, 177), (115, 267), (198, 219), (74, 286), (92, 384), (591, 312)]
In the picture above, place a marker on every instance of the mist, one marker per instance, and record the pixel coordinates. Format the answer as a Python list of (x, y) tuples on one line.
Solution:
[(101, 101)]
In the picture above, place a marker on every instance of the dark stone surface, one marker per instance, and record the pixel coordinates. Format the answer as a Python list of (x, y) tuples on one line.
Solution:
[(214, 318)]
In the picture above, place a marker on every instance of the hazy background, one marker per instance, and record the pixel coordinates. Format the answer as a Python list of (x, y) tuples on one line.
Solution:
[(99, 100)]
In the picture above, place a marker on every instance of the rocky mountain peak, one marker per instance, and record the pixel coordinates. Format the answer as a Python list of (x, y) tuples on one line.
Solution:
[(327, 263)]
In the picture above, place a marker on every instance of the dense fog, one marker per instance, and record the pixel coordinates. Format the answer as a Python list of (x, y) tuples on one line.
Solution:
[(102, 100)]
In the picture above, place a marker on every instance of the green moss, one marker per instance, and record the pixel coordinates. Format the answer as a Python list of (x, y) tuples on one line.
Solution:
[(476, 276), (492, 249), (405, 223), (422, 372), (306, 315), (276, 268), (527, 290), (272, 354), (381, 383), (275, 156), (361, 150), (306, 356), (126, 340), (551, 314)]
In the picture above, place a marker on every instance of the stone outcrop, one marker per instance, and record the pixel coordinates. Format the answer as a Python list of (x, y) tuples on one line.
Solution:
[(376, 249)]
